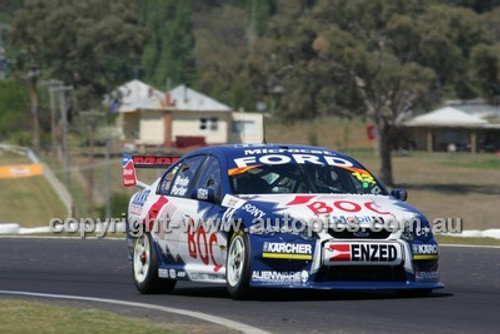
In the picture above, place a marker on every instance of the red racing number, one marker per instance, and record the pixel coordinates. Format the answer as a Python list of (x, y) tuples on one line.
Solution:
[(202, 244)]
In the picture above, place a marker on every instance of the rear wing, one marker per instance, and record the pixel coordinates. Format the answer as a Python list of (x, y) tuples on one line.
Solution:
[(131, 162)]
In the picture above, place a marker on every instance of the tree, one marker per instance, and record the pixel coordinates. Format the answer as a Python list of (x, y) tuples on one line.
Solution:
[(13, 103), (484, 67), (221, 54), (91, 45), (8, 8), (285, 62), (387, 87), (445, 38), (354, 56), (479, 6), (258, 13), (169, 52)]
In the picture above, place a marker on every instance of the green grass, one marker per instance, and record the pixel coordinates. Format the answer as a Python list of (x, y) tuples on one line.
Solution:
[(35, 317), (7, 158), (29, 201), (445, 239), (491, 163)]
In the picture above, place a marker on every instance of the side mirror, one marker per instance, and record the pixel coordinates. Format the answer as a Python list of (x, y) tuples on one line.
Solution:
[(203, 194), (400, 194)]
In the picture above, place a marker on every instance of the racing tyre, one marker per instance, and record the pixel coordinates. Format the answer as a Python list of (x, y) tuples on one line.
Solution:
[(238, 266), (145, 268)]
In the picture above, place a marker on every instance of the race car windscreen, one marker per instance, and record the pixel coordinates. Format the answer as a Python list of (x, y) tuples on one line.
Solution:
[(304, 178)]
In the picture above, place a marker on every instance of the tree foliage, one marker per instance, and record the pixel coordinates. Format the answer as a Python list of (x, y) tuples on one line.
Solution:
[(169, 52), (13, 105), (8, 8), (89, 44), (485, 70), (380, 58)]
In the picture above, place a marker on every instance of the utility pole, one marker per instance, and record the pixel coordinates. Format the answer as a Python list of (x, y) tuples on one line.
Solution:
[(92, 116), (3, 60), (32, 78), (108, 166), (51, 85), (64, 117)]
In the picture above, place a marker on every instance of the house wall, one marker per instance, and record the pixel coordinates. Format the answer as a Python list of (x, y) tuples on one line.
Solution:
[(129, 125), (246, 128), (419, 137), (485, 140), (151, 128), (214, 128)]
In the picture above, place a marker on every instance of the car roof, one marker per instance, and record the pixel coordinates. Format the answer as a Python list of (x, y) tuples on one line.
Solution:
[(236, 149)]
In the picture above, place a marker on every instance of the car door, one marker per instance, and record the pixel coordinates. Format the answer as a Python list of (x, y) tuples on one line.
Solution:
[(206, 242), (202, 246), (173, 195)]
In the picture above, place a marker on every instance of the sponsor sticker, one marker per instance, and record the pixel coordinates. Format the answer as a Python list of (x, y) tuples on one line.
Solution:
[(282, 159), (286, 250), (129, 178), (362, 175), (425, 251), (431, 276), (202, 193), (162, 273), (153, 162), (141, 198), (253, 210), (171, 273), (362, 253), (196, 276), (135, 210), (271, 276)]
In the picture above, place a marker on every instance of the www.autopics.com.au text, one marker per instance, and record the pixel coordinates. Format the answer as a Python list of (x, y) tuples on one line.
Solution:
[(285, 224)]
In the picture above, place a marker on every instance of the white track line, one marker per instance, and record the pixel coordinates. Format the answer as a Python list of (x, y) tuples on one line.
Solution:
[(238, 326)]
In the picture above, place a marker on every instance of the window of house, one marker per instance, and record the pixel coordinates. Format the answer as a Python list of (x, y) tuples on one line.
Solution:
[(211, 124), (244, 127), (203, 123)]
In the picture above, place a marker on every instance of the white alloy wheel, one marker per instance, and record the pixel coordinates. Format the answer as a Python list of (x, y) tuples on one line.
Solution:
[(236, 261), (142, 258)]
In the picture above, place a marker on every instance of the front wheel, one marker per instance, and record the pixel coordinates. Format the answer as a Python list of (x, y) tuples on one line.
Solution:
[(145, 267), (238, 266)]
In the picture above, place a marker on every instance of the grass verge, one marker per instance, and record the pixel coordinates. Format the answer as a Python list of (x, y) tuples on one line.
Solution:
[(29, 201), (33, 317), (446, 239)]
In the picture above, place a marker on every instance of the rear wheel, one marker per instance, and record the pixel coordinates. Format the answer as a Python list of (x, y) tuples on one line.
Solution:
[(145, 267), (238, 266)]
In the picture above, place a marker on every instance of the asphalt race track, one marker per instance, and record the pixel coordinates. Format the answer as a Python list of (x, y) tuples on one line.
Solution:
[(470, 303)]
